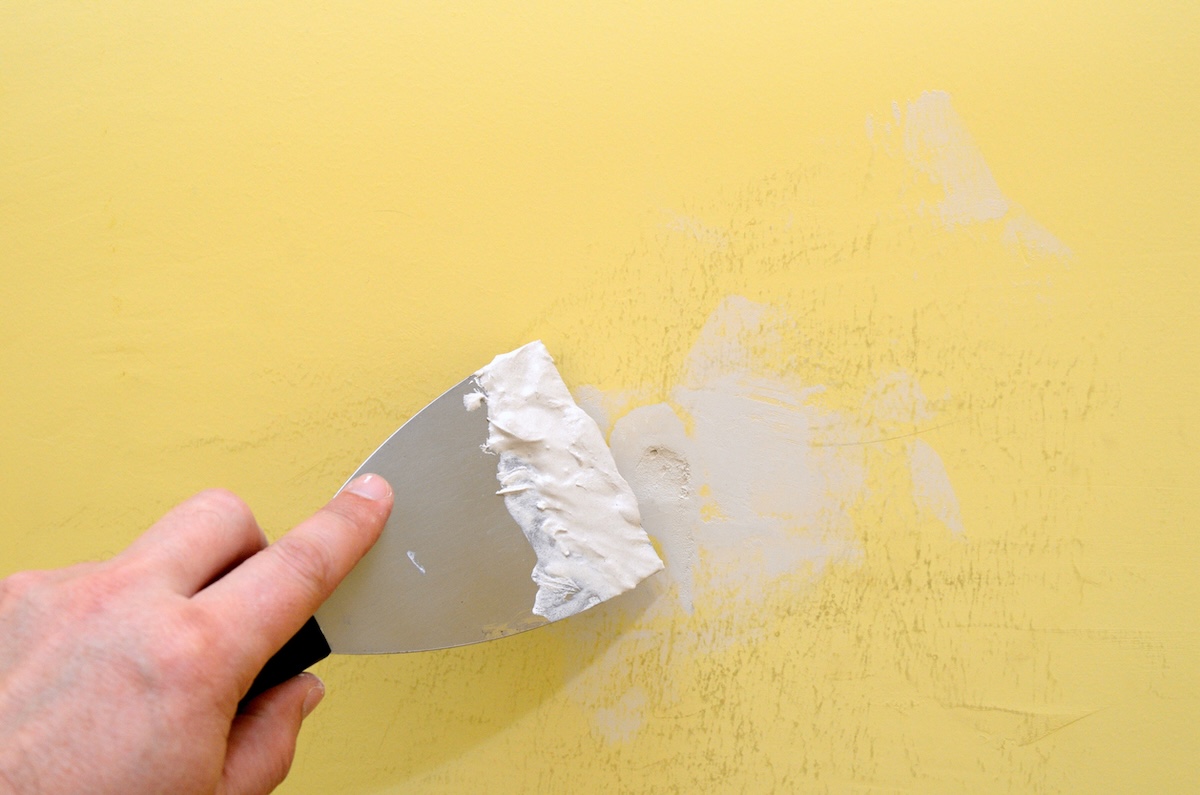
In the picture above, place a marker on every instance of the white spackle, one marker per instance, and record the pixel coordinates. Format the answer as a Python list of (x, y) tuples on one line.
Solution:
[(932, 492), (561, 485), (937, 144)]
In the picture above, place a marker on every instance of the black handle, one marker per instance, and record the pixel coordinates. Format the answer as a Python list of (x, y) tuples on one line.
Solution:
[(306, 647)]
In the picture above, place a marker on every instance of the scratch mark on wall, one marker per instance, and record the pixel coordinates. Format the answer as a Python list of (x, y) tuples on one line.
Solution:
[(1023, 726)]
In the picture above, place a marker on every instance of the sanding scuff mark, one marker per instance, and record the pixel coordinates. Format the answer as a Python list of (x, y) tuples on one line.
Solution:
[(933, 139)]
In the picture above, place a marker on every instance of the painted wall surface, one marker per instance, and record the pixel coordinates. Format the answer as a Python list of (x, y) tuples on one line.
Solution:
[(889, 311)]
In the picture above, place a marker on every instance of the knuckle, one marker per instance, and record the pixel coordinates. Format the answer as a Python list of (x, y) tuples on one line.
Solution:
[(225, 503), (184, 650), (309, 560), (21, 585), (97, 589), (72, 593)]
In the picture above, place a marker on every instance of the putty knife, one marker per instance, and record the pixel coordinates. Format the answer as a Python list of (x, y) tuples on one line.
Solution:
[(452, 566)]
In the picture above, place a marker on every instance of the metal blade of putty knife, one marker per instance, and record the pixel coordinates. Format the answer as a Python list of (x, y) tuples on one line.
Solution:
[(452, 566)]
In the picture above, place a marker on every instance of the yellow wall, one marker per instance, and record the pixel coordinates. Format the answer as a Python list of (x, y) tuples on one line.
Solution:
[(242, 243)]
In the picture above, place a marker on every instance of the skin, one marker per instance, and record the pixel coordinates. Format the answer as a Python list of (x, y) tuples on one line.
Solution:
[(124, 676)]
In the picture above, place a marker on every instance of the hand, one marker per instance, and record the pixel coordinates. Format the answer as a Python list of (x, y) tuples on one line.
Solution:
[(124, 676)]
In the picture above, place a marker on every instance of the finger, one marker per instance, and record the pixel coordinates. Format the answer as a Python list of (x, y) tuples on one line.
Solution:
[(198, 540), (264, 601), (262, 740)]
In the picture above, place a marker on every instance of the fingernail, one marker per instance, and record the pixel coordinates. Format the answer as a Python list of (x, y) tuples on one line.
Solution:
[(315, 694), (372, 487)]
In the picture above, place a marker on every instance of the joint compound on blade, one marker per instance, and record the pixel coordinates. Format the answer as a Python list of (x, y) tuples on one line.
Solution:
[(561, 485)]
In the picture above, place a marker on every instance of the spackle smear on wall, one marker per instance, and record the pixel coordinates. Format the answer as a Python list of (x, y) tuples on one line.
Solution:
[(561, 485), (932, 138), (745, 479), (752, 480), (750, 487)]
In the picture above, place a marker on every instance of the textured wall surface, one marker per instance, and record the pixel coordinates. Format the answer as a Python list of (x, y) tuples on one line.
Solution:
[(889, 311)]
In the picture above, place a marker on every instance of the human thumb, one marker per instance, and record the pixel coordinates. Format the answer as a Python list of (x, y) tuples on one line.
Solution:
[(262, 739)]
